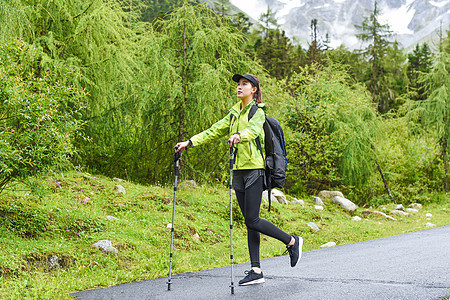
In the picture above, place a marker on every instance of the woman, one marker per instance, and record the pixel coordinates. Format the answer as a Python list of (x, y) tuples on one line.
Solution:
[(248, 171)]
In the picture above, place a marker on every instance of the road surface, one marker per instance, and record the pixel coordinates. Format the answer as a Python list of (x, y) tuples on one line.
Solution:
[(410, 266)]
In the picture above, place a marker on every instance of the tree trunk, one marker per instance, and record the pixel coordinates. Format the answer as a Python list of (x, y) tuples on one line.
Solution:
[(386, 186), (444, 158), (184, 84)]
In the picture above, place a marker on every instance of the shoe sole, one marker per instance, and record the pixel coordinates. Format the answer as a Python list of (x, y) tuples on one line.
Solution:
[(300, 245), (257, 281)]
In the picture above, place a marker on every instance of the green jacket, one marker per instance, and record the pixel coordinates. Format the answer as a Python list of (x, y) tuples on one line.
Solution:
[(248, 156)]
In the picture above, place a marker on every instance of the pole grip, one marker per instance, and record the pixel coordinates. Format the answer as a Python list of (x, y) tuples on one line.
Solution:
[(176, 160)]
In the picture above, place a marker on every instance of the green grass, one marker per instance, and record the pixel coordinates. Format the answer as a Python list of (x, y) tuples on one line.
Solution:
[(66, 215)]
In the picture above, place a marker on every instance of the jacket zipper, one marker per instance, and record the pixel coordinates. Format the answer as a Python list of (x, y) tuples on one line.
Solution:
[(251, 152)]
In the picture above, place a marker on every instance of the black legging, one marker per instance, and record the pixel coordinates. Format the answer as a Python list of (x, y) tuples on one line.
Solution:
[(250, 203)]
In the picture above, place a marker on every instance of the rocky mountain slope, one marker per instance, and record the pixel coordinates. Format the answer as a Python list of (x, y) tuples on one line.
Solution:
[(412, 21)]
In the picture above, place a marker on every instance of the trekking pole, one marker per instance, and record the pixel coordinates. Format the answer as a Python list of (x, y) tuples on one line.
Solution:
[(233, 150), (176, 169)]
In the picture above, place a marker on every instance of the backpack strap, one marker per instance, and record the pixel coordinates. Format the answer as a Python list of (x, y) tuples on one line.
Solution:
[(268, 183), (251, 113)]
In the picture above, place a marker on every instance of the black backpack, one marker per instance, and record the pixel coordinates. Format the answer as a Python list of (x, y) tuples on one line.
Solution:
[(275, 148)]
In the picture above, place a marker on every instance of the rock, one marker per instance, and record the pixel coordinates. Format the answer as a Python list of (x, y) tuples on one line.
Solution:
[(328, 245), (86, 176), (196, 237), (297, 202), (329, 194), (345, 203), (119, 189), (277, 196), (428, 215), (188, 184), (117, 179), (169, 225), (318, 201), (111, 218), (400, 207), (313, 226), (356, 219), (318, 207), (412, 210), (417, 206), (53, 261), (399, 212), (265, 196), (384, 215), (105, 246), (430, 225)]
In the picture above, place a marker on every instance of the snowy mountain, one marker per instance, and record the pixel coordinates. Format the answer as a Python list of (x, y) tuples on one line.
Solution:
[(412, 21)]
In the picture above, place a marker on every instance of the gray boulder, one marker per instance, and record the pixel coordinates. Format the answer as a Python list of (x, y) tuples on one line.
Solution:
[(119, 189), (53, 261), (400, 207), (313, 226), (105, 246), (328, 245), (188, 184), (329, 194), (399, 212), (384, 215), (196, 237), (417, 206), (111, 218), (318, 201), (297, 202), (345, 203), (276, 196), (356, 218)]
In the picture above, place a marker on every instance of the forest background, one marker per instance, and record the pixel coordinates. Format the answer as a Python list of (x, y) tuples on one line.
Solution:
[(109, 87)]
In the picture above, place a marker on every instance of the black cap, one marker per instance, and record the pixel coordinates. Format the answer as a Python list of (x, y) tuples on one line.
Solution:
[(237, 77)]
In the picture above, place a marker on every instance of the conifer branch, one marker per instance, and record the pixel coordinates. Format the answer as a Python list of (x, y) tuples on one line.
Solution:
[(89, 6)]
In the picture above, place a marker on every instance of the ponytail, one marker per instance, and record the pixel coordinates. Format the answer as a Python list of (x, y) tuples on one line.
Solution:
[(258, 94)]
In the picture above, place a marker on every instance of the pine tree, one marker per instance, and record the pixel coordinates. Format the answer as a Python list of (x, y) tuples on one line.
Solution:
[(376, 34), (277, 54), (436, 108), (419, 62), (268, 21), (200, 53), (222, 7), (394, 77), (242, 22), (334, 126)]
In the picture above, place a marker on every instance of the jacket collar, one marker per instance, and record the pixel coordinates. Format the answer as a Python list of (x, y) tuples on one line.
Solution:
[(237, 107)]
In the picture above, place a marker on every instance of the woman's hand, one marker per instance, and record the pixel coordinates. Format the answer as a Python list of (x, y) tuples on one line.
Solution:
[(181, 146), (234, 139)]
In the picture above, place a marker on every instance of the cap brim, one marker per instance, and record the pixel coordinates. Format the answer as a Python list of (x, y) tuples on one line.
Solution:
[(237, 77)]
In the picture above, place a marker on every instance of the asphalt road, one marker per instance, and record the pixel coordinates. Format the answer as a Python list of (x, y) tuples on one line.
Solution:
[(409, 266)]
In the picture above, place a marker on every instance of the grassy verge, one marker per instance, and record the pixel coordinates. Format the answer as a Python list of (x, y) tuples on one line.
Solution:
[(67, 215)]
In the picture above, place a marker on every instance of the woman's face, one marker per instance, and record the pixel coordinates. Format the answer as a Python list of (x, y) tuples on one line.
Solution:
[(245, 89)]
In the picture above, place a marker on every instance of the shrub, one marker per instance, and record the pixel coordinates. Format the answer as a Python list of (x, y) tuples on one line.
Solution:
[(333, 124), (39, 116)]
